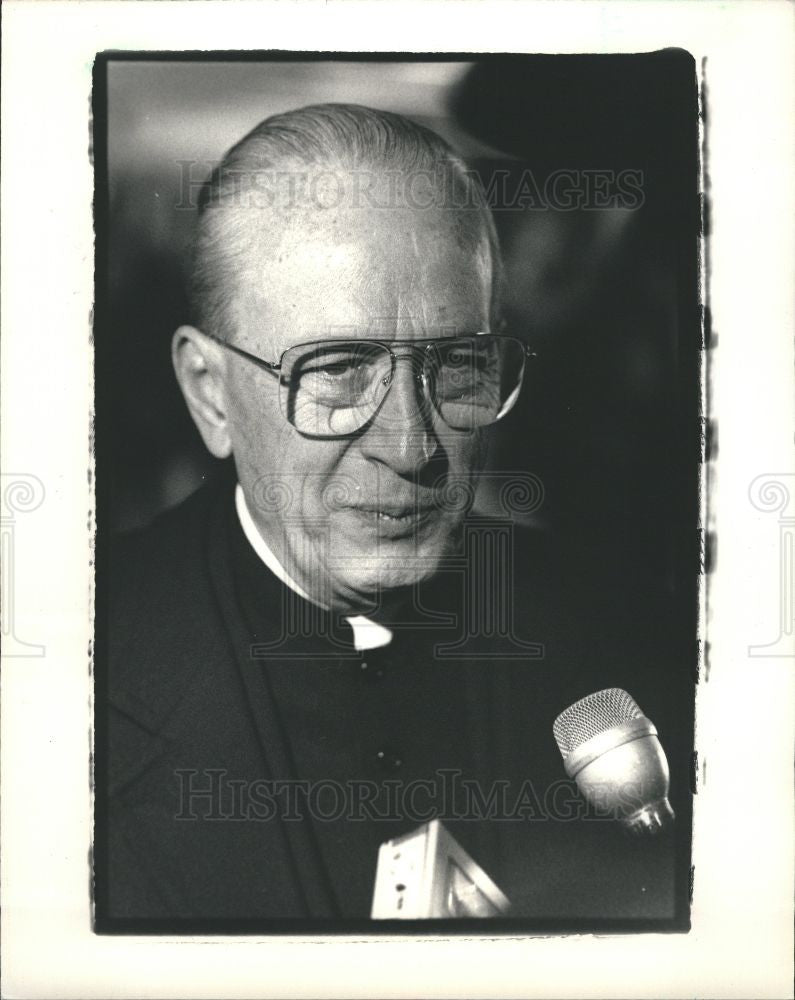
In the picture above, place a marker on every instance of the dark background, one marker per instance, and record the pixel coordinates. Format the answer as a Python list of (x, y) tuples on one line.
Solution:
[(607, 296)]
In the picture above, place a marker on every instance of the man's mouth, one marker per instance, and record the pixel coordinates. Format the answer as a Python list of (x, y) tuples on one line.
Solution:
[(394, 519), (394, 513)]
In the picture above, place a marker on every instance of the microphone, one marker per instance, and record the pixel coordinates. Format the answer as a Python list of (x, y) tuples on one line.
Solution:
[(611, 750)]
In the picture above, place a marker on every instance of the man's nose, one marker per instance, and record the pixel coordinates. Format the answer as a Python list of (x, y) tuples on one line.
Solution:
[(401, 436)]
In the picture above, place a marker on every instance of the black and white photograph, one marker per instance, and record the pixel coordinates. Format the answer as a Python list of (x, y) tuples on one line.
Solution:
[(397, 405), (398, 451)]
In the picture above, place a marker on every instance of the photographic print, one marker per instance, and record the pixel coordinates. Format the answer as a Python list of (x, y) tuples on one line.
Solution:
[(398, 445)]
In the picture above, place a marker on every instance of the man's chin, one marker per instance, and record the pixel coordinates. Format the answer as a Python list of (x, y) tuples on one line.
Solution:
[(374, 577), (369, 578)]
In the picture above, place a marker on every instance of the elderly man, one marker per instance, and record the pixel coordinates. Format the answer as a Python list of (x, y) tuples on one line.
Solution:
[(327, 648)]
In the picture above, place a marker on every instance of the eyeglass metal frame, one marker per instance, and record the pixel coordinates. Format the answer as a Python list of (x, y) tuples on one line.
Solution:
[(423, 345)]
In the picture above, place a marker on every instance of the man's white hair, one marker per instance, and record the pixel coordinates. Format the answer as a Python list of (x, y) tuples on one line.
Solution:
[(267, 172)]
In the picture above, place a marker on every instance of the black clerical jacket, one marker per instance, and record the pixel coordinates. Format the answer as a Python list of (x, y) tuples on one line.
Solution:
[(250, 761)]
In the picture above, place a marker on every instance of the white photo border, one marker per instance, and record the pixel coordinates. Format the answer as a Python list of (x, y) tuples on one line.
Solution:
[(741, 939)]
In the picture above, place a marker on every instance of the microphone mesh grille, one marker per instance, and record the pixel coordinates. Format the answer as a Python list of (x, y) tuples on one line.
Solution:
[(592, 715)]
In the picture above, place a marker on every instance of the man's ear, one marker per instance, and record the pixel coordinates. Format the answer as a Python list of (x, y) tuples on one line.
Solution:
[(200, 376)]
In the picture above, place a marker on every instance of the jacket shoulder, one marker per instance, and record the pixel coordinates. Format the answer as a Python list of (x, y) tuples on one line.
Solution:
[(161, 605), (169, 541)]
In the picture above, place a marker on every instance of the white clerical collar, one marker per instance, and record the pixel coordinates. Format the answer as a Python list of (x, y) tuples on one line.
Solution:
[(367, 634)]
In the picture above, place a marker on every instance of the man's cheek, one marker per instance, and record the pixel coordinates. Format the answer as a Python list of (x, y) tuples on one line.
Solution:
[(466, 451), (256, 436)]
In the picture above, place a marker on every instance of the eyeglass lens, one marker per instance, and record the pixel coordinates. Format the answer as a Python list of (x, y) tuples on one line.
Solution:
[(334, 388)]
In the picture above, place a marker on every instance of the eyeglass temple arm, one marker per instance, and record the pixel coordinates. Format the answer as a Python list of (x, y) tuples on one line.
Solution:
[(267, 366)]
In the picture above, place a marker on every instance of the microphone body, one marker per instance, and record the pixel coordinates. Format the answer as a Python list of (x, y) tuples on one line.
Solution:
[(612, 751)]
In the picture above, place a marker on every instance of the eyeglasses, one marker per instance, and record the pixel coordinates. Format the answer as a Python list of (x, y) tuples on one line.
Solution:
[(334, 388)]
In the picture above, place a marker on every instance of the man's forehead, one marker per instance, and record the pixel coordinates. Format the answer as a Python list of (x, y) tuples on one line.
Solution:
[(408, 241), (365, 270), (355, 221)]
